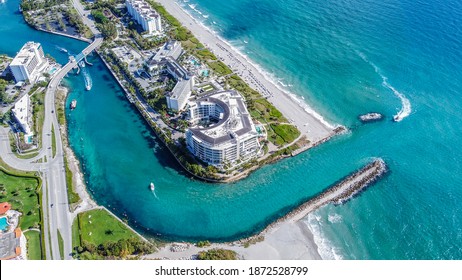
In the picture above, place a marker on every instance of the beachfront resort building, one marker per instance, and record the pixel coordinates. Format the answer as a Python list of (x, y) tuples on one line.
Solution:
[(145, 15), (29, 63), (23, 115), (171, 49), (221, 130), (179, 96)]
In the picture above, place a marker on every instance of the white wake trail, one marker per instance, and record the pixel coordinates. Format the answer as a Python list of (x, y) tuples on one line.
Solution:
[(406, 108)]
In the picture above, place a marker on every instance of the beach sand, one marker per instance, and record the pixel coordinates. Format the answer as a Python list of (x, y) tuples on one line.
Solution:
[(309, 122), (288, 241)]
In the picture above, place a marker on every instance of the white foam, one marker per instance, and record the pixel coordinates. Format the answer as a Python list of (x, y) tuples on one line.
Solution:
[(334, 218), (406, 108), (268, 76), (325, 247)]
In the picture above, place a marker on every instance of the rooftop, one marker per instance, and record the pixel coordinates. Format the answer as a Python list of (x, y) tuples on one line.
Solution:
[(235, 120), (25, 54), (4, 207)]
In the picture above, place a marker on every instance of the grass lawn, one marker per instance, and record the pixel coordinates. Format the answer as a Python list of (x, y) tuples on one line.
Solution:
[(20, 192), (103, 227), (53, 141), (75, 233), (220, 68), (72, 196), (286, 131), (34, 250), (61, 245)]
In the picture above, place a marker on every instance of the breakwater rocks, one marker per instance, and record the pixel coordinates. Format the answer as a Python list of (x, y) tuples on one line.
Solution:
[(338, 193)]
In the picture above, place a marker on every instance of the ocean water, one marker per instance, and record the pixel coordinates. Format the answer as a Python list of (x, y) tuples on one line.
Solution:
[(344, 58)]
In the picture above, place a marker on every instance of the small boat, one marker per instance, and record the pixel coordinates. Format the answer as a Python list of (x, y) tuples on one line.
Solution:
[(151, 186), (369, 117), (397, 118), (73, 104)]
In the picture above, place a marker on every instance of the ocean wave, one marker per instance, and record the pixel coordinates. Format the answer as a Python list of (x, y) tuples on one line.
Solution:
[(268, 76), (325, 247), (406, 108), (334, 218)]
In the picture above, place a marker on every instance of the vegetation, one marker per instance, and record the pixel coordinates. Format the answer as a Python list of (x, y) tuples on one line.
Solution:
[(220, 68), (72, 196), (3, 95), (217, 254), (202, 244), (53, 141), (284, 133), (34, 250), (21, 192), (98, 226), (30, 5), (104, 237), (61, 245), (75, 233)]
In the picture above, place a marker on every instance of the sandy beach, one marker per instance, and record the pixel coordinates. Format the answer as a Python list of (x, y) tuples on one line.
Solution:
[(309, 122), (289, 241)]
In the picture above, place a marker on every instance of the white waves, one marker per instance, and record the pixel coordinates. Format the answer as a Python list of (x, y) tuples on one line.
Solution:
[(406, 108)]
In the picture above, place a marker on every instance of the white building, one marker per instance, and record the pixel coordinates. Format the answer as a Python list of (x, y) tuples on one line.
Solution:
[(23, 114), (171, 49), (177, 99), (222, 130), (145, 15), (29, 63)]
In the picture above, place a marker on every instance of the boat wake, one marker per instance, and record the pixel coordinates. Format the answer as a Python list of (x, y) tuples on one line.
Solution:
[(87, 78), (61, 49), (406, 108)]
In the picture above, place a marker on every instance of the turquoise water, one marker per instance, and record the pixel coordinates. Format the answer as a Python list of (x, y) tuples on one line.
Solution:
[(3, 224), (345, 58)]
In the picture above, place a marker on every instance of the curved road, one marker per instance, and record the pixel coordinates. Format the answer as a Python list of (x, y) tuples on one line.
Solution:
[(55, 202)]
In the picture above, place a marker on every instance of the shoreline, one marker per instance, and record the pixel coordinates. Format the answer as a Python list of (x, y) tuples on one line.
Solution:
[(298, 112), (285, 240)]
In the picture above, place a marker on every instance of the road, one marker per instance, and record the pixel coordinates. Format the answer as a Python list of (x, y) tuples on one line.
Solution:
[(57, 216)]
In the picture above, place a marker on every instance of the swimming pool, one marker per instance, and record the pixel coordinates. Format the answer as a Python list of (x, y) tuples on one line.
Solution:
[(52, 71), (3, 224)]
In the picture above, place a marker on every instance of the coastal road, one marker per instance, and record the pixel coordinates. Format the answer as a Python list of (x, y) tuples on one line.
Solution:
[(54, 172), (57, 216)]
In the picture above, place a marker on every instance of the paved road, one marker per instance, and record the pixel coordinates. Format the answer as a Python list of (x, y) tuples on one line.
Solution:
[(55, 202)]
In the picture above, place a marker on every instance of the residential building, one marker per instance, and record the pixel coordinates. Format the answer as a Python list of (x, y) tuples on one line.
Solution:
[(222, 132), (23, 114), (177, 99), (145, 15), (28, 63)]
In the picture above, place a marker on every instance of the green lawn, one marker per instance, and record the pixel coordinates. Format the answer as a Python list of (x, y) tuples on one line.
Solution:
[(72, 196), (75, 233), (34, 250), (53, 141), (20, 192), (103, 227), (286, 131), (61, 245), (220, 68)]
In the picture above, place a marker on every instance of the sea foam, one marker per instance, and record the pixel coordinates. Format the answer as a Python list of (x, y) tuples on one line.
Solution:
[(405, 103)]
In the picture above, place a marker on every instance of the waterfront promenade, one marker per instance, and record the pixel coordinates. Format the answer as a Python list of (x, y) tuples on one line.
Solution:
[(309, 123)]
